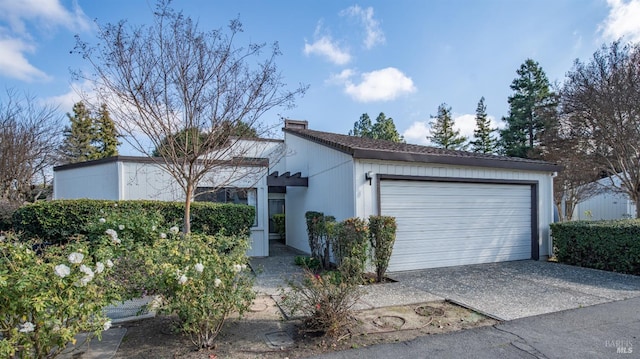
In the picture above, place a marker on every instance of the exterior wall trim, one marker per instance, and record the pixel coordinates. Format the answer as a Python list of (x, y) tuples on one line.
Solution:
[(535, 233)]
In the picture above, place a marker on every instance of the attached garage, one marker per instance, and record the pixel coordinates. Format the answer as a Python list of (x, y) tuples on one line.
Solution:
[(451, 207), (449, 222)]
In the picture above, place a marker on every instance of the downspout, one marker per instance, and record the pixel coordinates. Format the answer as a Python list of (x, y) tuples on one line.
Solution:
[(550, 239)]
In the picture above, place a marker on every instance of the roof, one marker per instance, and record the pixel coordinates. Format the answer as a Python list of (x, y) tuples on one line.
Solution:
[(366, 148), (242, 161)]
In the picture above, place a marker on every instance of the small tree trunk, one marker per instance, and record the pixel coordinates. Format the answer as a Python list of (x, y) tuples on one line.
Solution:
[(637, 202), (186, 229)]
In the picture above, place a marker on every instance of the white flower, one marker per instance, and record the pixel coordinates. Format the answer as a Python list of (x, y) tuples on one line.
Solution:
[(163, 235), (99, 267), (107, 325), (86, 270), (84, 281), (183, 279), (102, 220), (121, 227), (62, 270), (153, 228), (174, 230), (2, 238), (244, 266), (27, 327), (237, 268), (114, 236), (217, 282), (199, 267), (109, 263), (115, 205), (76, 257)]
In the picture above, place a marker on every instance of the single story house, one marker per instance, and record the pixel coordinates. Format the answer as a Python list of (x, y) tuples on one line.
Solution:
[(608, 204), (451, 207)]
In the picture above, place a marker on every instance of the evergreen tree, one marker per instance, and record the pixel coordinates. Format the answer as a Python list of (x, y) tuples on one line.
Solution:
[(383, 129), (89, 137), (443, 134), (484, 141), (106, 135), (363, 127), (531, 109), (77, 145)]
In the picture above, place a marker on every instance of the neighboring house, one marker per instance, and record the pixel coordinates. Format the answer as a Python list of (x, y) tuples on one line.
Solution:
[(451, 207), (608, 204)]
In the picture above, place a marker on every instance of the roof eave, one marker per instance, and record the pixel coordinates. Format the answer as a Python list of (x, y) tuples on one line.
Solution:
[(452, 160)]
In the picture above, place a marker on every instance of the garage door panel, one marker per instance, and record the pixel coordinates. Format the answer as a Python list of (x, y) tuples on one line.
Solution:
[(451, 223)]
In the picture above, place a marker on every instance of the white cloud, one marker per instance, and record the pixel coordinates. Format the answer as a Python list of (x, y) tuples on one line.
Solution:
[(623, 20), (16, 40), (327, 48), (46, 13), (77, 92), (418, 131), (374, 34), (13, 62), (379, 85)]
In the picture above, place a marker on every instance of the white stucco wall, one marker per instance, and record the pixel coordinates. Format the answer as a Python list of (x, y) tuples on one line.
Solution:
[(330, 190), (94, 182), (366, 203)]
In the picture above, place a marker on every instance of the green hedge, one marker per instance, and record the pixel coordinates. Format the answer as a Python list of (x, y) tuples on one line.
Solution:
[(607, 245), (56, 221)]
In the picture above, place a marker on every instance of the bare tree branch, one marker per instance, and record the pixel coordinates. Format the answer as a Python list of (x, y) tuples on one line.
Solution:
[(169, 77)]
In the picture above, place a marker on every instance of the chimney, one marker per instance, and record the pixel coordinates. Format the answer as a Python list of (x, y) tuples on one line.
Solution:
[(296, 124)]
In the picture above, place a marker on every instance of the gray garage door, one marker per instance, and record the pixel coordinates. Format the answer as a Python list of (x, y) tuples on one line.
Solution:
[(448, 223)]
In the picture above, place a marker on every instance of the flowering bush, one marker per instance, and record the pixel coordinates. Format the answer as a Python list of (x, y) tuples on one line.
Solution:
[(202, 279), (126, 238), (50, 295), (326, 300)]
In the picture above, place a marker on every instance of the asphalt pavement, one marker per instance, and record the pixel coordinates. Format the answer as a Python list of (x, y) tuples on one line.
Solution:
[(609, 330)]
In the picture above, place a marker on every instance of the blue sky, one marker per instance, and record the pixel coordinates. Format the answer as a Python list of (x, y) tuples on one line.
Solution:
[(403, 58)]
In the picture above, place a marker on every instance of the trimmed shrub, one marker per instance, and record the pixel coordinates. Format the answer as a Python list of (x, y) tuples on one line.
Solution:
[(6, 213), (319, 229), (607, 245), (56, 221), (382, 236), (279, 220), (351, 248)]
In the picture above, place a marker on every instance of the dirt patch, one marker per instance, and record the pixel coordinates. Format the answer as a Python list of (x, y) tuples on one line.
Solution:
[(264, 333)]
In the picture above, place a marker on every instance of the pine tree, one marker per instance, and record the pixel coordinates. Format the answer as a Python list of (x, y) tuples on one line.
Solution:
[(383, 129), (106, 135), (89, 137), (442, 133), (484, 141), (363, 127), (531, 109), (77, 145)]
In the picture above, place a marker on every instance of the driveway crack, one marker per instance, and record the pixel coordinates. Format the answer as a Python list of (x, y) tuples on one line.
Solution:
[(522, 344)]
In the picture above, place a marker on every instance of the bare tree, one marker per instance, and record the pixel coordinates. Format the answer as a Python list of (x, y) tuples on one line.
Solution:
[(577, 180), (602, 99), (28, 142), (172, 78)]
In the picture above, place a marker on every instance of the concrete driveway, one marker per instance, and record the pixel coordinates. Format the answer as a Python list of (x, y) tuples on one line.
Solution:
[(511, 290)]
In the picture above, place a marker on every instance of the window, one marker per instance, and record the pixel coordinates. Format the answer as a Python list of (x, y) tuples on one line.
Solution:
[(229, 195)]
